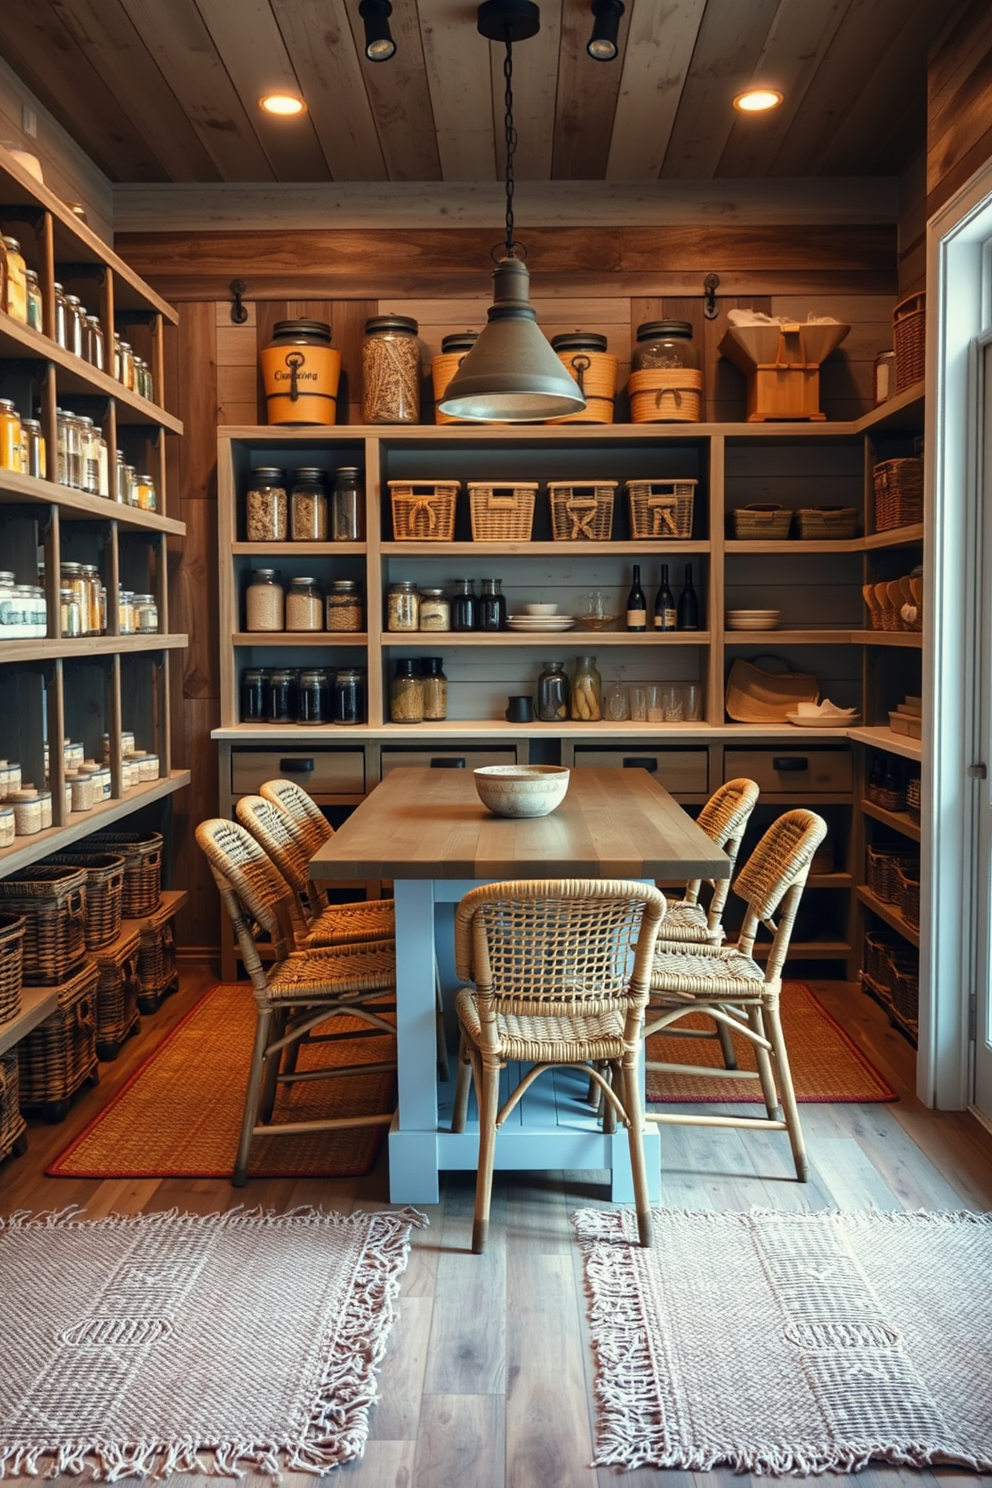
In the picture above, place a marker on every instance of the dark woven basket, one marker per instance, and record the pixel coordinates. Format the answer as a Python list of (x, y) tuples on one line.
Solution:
[(142, 854), (116, 996), (11, 959), (156, 957), (53, 903), (885, 796), (908, 881), (898, 487), (884, 864), (104, 893), (60, 1054), (12, 1123), (906, 992), (909, 322)]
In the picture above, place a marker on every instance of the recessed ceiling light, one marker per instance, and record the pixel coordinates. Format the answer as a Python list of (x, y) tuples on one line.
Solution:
[(284, 104), (757, 100)]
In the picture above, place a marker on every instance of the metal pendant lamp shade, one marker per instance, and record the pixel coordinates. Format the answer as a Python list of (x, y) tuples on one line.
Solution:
[(511, 374)]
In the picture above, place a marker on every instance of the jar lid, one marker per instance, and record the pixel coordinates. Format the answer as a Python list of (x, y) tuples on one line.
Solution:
[(460, 341), (289, 330), (143, 598), (391, 323), (253, 672), (6, 811), (269, 473), (348, 674), (12, 243), (6, 576), (432, 663), (404, 586), (406, 667), (301, 579), (579, 341), (347, 473), (662, 329), (344, 586), (310, 473), (266, 573), (30, 274), (36, 423), (316, 675), (432, 593), (285, 674)]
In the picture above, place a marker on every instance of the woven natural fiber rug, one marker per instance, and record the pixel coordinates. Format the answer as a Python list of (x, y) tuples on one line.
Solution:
[(791, 1342), (166, 1343), (826, 1065), (179, 1116)]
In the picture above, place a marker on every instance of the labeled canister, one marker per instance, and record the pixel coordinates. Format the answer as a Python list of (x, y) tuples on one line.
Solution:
[(301, 371), (584, 356)]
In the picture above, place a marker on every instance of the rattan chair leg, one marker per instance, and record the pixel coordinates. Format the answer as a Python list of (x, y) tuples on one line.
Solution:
[(252, 1096), (773, 1025), (488, 1098), (726, 1045), (463, 1081), (615, 1076), (766, 1072), (627, 1081), (270, 1080)]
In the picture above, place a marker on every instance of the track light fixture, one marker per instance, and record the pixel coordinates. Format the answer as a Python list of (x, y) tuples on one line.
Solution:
[(602, 44), (379, 44)]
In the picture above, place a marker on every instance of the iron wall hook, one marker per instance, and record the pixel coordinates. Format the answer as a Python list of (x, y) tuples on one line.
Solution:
[(239, 312), (710, 307)]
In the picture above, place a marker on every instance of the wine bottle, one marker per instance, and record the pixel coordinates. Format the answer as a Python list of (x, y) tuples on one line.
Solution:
[(664, 603), (637, 605), (687, 617)]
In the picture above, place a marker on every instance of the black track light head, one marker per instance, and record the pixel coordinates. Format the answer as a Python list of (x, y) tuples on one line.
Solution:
[(602, 44), (379, 44)]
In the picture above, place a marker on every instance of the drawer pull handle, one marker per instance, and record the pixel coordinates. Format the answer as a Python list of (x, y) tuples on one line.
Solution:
[(447, 762), (296, 766), (637, 763), (791, 762)]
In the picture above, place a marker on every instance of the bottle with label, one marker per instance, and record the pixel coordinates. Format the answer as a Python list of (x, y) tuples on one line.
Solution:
[(664, 604), (687, 616), (637, 605)]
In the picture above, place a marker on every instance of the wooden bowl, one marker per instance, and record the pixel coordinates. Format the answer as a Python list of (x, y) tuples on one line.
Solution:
[(521, 790)]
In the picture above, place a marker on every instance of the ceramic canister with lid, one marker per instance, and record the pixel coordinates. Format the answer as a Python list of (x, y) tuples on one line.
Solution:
[(301, 371), (8, 829), (583, 354), (454, 350)]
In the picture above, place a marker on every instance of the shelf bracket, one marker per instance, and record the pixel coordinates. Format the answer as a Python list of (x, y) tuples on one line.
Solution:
[(239, 312), (710, 307)]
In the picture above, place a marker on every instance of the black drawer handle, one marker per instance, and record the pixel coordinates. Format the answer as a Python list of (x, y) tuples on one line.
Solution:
[(791, 762), (446, 762), (296, 766), (635, 763)]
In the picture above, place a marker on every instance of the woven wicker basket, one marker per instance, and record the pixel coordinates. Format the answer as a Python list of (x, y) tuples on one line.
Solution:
[(142, 854), (878, 990), (661, 508), (913, 796), (116, 995), (907, 876), (60, 1054), (906, 993), (443, 368), (104, 893), (596, 374), (424, 511), (879, 947), (885, 796), (909, 320), (581, 510), (661, 395), (884, 868), (898, 488), (826, 522), (502, 513), (762, 522), (156, 962), (53, 903), (12, 1123), (11, 965)]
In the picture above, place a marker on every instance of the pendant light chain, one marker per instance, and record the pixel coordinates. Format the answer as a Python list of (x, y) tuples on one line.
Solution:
[(511, 141)]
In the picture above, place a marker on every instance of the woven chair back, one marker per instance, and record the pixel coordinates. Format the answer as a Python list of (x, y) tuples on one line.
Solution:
[(256, 883), (307, 820), (273, 831), (724, 819), (772, 881)]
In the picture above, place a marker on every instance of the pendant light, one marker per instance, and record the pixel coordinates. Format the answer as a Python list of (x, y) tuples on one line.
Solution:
[(511, 375)]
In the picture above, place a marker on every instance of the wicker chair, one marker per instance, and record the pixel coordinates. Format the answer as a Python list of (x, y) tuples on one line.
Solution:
[(727, 984), (553, 984), (296, 993)]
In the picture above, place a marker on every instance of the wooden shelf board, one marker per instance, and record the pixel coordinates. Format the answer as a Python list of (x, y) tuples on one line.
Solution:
[(452, 639), (895, 819), (830, 881), (300, 638), (796, 545), (884, 738), (903, 411), (909, 639), (299, 549), (28, 850), (37, 1004), (541, 549), (172, 900), (791, 637), (80, 506), (894, 537), (889, 914), (81, 648)]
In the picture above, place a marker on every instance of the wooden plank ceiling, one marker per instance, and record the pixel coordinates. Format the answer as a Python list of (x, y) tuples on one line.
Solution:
[(167, 90)]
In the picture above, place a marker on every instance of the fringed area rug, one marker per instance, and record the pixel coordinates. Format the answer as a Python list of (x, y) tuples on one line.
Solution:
[(179, 1116), (826, 1064), (166, 1343), (791, 1342)]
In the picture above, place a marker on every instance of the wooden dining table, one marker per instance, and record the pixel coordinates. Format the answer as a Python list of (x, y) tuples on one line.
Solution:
[(428, 832)]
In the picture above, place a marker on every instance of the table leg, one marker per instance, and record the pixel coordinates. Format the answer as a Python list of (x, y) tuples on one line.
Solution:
[(413, 1166)]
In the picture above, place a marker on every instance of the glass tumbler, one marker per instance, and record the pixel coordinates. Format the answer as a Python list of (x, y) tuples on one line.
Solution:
[(616, 707)]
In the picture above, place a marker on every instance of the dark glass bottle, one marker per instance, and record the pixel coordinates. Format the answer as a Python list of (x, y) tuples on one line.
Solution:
[(637, 605), (492, 605), (687, 617), (464, 606), (664, 604)]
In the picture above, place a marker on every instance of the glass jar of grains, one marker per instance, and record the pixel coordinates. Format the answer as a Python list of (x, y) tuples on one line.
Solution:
[(313, 698), (254, 684), (435, 610), (308, 506), (347, 506), (145, 614), (391, 370), (403, 606), (266, 506), (304, 605), (282, 690), (406, 694), (34, 303), (348, 704), (435, 688), (343, 608), (264, 601)]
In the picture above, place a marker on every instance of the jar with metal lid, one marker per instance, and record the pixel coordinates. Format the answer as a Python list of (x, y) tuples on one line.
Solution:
[(391, 370), (435, 610), (347, 505), (145, 614), (8, 618), (464, 606), (300, 372), (130, 486), (33, 444), (16, 294), (27, 812), (101, 783), (492, 605), (266, 506), (587, 691), (146, 384), (254, 699), (8, 829), (60, 335), (145, 494), (91, 581), (343, 607), (553, 693), (35, 311), (308, 506), (96, 351), (80, 790), (282, 692), (664, 343), (126, 363), (71, 618), (71, 581), (406, 694), (90, 456), (74, 320), (45, 800), (125, 612), (11, 452), (435, 688), (403, 606), (313, 702), (264, 601), (70, 450), (454, 349), (665, 383), (348, 703), (584, 356), (304, 605)]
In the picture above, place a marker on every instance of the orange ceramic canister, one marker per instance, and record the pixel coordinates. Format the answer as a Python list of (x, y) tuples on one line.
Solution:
[(301, 370)]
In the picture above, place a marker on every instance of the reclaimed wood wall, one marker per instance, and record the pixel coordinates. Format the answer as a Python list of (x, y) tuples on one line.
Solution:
[(959, 102)]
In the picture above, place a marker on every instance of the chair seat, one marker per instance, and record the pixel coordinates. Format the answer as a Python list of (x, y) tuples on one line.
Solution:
[(334, 972), (686, 923), (717, 974), (577, 1039), (345, 924)]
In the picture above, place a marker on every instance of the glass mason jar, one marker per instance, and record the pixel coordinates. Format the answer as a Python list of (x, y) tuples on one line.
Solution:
[(33, 442), (492, 605), (95, 345), (348, 702), (403, 606), (90, 456), (435, 610), (145, 496), (435, 688), (145, 614), (34, 301), (406, 694), (16, 295), (266, 506), (391, 371), (126, 364), (313, 699), (264, 601), (464, 606), (60, 335), (664, 343), (343, 606), (103, 463), (308, 506), (11, 457), (71, 619), (587, 691), (130, 486), (74, 319), (304, 605), (282, 695), (347, 506), (125, 612), (90, 575), (254, 699)]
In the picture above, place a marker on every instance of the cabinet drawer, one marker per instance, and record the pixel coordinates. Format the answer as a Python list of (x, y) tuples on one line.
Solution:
[(793, 771), (321, 772), (424, 759), (682, 770)]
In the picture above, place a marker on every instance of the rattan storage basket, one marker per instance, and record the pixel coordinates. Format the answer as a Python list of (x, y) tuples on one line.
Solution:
[(909, 320), (898, 488), (826, 522), (156, 961), (60, 1054), (104, 893), (11, 965), (53, 903), (596, 374), (12, 1123), (581, 509), (906, 993), (424, 511), (502, 513), (884, 867), (142, 854), (913, 796), (907, 877), (880, 946), (116, 995), (885, 796), (661, 508), (661, 395), (762, 522)]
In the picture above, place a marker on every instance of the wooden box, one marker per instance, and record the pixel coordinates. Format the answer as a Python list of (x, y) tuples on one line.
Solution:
[(782, 366)]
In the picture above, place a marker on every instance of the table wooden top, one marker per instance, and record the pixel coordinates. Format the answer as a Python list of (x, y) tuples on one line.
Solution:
[(613, 823)]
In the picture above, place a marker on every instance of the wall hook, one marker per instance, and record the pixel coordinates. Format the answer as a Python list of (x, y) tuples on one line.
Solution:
[(710, 307), (239, 312)]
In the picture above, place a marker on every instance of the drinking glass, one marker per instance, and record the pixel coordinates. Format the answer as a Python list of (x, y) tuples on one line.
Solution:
[(656, 704), (673, 703), (639, 705), (692, 695), (615, 702)]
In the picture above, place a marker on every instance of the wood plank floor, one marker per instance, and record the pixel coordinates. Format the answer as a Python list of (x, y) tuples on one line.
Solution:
[(488, 1378)]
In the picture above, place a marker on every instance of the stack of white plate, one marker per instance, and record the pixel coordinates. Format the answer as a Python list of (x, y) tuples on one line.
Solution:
[(541, 622), (753, 619)]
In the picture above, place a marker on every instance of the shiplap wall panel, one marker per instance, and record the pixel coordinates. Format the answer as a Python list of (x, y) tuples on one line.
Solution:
[(660, 44), (959, 127)]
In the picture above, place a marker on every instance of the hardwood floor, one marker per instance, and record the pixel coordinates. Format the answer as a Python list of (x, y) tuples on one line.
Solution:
[(488, 1378)]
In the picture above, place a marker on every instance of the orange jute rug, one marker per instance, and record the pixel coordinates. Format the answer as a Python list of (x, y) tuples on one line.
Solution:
[(179, 1115), (826, 1064)]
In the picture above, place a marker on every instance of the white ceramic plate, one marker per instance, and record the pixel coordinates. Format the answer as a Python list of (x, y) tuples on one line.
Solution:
[(802, 720), (541, 622)]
